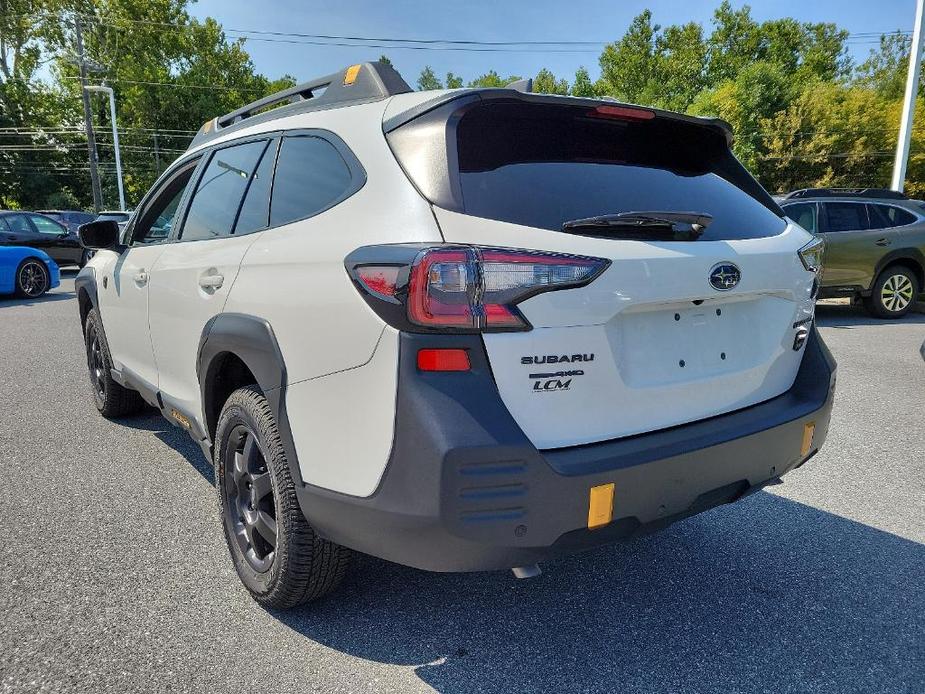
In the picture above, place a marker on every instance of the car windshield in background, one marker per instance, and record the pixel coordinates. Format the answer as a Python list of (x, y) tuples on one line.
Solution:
[(541, 166)]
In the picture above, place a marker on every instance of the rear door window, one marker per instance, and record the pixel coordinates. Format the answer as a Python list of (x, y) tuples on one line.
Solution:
[(18, 224), (255, 210), (804, 214), (220, 190), (543, 165), (846, 216), (311, 176)]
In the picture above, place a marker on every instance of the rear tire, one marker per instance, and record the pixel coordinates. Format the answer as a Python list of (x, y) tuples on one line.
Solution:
[(893, 294), (278, 556), (32, 279), (110, 398)]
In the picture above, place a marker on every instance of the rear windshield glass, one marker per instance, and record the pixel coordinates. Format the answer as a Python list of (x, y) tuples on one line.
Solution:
[(540, 166)]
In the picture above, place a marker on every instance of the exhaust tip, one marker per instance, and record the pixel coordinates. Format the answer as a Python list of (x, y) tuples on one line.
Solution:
[(527, 571)]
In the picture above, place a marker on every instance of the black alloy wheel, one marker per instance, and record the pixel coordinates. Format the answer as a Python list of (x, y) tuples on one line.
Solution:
[(32, 279), (250, 508), (96, 362)]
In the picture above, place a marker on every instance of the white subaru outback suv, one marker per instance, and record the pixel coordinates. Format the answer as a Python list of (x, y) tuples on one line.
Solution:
[(460, 330)]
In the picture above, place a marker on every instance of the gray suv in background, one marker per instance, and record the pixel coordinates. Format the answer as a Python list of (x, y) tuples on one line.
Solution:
[(874, 244)]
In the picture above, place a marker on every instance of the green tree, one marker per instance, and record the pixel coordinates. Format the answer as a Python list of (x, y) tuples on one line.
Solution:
[(628, 65), (546, 83), (428, 80), (492, 79), (385, 59), (453, 81), (884, 71), (582, 84)]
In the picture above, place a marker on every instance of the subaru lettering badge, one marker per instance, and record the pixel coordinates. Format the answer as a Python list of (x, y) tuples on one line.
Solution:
[(724, 276)]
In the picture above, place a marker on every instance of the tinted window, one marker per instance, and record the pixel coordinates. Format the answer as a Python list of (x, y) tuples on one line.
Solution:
[(115, 216), (218, 196), (540, 166), (255, 211), (46, 226), (885, 216), (803, 214), (18, 224), (159, 216), (846, 216), (4, 228), (311, 175)]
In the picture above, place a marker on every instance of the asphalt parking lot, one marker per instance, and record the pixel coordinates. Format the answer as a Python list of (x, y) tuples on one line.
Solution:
[(115, 575)]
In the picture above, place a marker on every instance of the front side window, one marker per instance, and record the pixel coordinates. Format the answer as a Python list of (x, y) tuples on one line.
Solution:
[(157, 219), (846, 216), (804, 214), (221, 188), (46, 226), (311, 176)]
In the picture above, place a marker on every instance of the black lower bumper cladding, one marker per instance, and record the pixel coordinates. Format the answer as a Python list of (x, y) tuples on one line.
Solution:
[(465, 490)]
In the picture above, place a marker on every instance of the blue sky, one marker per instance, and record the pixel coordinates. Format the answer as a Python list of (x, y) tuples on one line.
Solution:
[(483, 20)]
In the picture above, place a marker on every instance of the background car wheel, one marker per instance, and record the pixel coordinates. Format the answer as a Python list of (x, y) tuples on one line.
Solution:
[(111, 399), (893, 294), (85, 257), (276, 553), (32, 278)]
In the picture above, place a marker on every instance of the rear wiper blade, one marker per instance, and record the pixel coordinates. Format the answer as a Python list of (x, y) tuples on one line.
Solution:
[(650, 225)]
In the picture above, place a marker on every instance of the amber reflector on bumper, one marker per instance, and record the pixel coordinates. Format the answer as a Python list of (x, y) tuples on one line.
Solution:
[(808, 430), (600, 506)]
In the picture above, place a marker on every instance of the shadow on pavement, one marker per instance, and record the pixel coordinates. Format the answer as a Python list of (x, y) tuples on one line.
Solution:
[(847, 316), (151, 420), (53, 295), (767, 595)]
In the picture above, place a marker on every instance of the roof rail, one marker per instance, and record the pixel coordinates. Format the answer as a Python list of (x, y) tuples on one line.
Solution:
[(355, 84), (879, 193)]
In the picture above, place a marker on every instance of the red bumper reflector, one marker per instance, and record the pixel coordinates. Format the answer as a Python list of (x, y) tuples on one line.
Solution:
[(443, 360)]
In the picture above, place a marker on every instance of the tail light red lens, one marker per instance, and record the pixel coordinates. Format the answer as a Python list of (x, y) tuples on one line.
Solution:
[(465, 288), (443, 360)]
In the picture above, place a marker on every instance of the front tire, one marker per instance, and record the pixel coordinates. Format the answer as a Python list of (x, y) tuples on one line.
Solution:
[(32, 279), (278, 556), (110, 398), (893, 294)]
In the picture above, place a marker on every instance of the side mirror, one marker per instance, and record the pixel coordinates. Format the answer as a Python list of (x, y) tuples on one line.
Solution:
[(102, 234)]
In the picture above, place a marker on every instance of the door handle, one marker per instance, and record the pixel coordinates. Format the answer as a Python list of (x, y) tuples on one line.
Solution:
[(141, 278), (212, 282), (883, 242)]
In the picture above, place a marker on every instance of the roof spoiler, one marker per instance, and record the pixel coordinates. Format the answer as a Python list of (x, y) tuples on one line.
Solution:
[(355, 84), (877, 193)]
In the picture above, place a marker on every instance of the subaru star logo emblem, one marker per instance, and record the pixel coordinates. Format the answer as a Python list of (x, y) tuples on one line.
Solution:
[(724, 276)]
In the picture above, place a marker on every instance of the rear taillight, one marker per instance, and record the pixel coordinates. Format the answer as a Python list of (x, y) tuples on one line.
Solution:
[(462, 288), (811, 255)]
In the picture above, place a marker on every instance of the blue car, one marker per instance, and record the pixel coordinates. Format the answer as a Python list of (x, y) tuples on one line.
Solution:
[(27, 272)]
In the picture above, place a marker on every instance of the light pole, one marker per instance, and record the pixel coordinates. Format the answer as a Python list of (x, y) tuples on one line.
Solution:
[(115, 138), (912, 88)]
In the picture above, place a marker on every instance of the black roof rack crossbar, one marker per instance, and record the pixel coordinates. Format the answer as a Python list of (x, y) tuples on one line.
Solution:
[(877, 193), (355, 84)]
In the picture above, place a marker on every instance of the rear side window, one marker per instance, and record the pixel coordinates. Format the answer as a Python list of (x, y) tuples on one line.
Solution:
[(220, 190), (885, 216), (255, 210), (543, 165), (846, 216), (18, 224), (311, 176), (803, 214)]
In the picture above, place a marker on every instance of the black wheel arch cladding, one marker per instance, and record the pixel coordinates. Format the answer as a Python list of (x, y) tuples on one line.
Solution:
[(251, 340)]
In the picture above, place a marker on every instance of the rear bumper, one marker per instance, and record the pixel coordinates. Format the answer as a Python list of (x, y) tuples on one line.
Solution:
[(465, 490)]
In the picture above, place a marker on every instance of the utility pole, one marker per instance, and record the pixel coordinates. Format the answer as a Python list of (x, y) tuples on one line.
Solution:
[(157, 155), (88, 119), (912, 90)]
